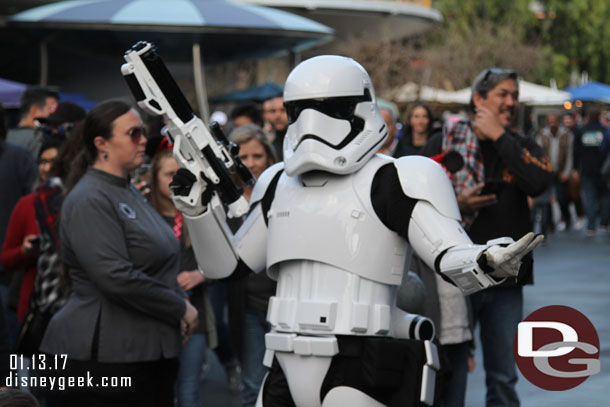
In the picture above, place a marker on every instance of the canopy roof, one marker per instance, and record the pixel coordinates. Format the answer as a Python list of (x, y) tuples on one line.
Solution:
[(224, 28), (529, 93)]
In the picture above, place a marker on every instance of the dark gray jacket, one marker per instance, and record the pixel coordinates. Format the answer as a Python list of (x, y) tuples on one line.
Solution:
[(123, 260)]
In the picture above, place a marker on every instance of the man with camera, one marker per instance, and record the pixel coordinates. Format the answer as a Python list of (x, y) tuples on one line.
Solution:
[(501, 169)]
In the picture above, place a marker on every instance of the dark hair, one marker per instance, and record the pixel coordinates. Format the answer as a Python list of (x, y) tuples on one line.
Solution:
[(428, 111), (250, 131), (2, 123), (99, 122), (48, 143), (70, 149), (17, 398), (250, 110), (488, 79), (36, 96)]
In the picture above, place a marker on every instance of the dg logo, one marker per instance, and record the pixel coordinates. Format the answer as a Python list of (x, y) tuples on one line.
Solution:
[(557, 348)]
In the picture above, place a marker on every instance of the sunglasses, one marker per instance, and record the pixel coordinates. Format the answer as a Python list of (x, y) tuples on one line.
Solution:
[(136, 133), (491, 73)]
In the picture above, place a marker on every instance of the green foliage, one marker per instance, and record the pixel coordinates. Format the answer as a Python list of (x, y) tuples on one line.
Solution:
[(480, 33), (461, 16), (574, 36), (580, 30)]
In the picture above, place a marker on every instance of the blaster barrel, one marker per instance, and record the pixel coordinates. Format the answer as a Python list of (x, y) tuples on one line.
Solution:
[(195, 148), (164, 80)]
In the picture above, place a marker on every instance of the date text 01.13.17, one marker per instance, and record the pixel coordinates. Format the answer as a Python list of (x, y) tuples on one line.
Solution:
[(39, 362)]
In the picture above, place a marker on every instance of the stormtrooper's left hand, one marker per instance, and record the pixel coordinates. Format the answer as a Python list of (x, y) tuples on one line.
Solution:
[(506, 261)]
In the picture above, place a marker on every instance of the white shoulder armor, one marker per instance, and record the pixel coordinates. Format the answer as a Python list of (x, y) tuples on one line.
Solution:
[(423, 179), (262, 183)]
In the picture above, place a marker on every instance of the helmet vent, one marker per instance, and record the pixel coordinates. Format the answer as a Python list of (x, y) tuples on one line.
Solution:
[(340, 161), (362, 137)]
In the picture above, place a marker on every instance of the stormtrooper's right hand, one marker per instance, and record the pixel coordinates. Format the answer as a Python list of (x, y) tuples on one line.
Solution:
[(190, 196)]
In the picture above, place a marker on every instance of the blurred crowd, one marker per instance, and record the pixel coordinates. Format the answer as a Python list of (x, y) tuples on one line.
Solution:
[(97, 264)]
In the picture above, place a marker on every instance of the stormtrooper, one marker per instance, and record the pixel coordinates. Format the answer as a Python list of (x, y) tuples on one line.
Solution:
[(335, 225)]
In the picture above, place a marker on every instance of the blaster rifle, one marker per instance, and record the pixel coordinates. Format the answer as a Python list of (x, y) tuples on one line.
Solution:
[(208, 155)]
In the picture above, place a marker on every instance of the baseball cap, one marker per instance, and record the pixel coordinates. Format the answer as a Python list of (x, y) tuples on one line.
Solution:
[(67, 112)]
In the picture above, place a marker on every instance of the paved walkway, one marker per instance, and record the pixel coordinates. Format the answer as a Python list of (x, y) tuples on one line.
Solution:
[(570, 270)]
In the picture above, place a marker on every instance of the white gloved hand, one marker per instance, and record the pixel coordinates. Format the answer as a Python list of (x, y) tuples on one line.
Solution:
[(506, 261)]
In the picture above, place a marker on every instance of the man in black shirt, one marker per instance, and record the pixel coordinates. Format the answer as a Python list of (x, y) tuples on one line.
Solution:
[(500, 170), (589, 154)]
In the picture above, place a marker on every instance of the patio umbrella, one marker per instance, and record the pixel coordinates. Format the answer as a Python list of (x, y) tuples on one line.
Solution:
[(591, 92), (218, 29), (10, 93)]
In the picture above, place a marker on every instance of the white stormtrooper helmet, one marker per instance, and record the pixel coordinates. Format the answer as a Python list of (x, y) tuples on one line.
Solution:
[(335, 124)]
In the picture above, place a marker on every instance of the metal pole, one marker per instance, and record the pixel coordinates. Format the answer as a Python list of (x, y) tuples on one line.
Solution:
[(44, 63), (200, 90)]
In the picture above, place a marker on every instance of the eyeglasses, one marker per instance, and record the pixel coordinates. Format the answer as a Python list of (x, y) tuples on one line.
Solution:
[(136, 133)]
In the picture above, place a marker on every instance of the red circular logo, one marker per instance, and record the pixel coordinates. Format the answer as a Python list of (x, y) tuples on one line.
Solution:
[(557, 348)]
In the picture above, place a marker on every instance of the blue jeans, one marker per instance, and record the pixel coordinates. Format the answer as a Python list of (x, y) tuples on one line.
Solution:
[(499, 311), (253, 351), (192, 358), (596, 195), (224, 350)]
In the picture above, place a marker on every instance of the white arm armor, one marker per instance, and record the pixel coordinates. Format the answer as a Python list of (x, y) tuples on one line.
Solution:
[(216, 249), (211, 239), (434, 227), (431, 234)]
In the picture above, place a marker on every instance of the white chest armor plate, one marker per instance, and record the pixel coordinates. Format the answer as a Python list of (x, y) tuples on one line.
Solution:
[(332, 221), (336, 264)]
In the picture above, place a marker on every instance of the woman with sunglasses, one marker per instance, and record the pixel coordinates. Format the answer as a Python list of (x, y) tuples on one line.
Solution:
[(126, 312)]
